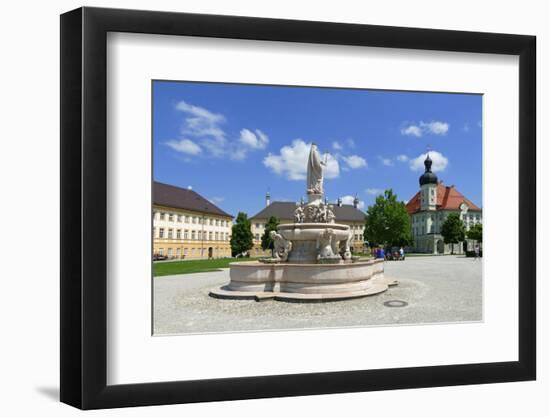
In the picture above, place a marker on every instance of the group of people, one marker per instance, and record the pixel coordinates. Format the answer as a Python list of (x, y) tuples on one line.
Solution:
[(380, 253)]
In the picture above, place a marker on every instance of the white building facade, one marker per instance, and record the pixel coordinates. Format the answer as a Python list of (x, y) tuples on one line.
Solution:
[(429, 209)]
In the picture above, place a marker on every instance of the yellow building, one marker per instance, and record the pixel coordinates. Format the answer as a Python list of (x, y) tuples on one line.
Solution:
[(284, 212), (187, 225)]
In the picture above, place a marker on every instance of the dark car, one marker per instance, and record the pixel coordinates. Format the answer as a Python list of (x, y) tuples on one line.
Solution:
[(158, 257)]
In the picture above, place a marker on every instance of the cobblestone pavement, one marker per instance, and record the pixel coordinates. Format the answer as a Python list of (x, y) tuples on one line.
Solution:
[(436, 289)]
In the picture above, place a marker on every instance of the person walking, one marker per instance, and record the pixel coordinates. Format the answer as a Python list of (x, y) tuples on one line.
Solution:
[(402, 253)]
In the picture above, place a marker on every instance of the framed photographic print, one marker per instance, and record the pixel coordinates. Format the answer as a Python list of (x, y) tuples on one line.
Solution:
[(258, 207)]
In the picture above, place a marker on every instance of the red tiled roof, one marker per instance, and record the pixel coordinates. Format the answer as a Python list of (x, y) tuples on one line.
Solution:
[(448, 198)]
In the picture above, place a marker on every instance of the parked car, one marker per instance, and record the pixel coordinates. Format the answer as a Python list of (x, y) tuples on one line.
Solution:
[(157, 257)]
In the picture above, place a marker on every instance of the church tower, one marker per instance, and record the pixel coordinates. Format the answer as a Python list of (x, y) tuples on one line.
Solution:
[(428, 187)]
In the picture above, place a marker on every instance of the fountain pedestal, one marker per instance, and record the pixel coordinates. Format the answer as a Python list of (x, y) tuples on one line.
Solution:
[(304, 282)]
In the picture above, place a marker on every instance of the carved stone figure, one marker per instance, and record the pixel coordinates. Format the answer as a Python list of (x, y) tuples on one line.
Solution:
[(299, 215), (315, 171), (311, 213), (330, 217), (345, 247), (281, 246), (325, 244)]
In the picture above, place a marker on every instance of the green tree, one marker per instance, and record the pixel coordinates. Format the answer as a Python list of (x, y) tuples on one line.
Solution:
[(387, 221), (241, 235), (476, 232), (267, 242), (453, 230)]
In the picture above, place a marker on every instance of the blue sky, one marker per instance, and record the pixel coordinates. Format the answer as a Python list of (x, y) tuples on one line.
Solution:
[(233, 142)]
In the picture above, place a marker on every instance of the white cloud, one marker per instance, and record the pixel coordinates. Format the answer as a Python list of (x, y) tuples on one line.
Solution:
[(386, 161), (348, 199), (374, 191), (411, 130), (216, 146), (205, 127), (355, 161), (257, 140), (200, 121), (337, 146), (216, 200), (185, 146), (402, 158), (292, 162), (436, 128), (189, 187), (422, 128), (439, 162), (238, 153)]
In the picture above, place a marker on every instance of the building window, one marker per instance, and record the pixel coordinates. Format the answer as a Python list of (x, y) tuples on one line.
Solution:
[(178, 234), (178, 252), (209, 235), (169, 252), (180, 219), (186, 219), (257, 236), (193, 235), (184, 251), (194, 220), (162, 216), (161, 232), (200, 235), (186, 234), (161, 251), (170, 232)]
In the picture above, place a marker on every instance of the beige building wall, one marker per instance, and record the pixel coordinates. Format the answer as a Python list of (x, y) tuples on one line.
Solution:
[(184, 234)]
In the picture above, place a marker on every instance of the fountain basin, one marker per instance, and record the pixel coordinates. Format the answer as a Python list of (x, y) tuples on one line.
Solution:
[(304, 238), (304, 282)]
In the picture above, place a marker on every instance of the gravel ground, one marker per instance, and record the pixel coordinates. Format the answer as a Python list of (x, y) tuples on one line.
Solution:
[(436, 289)]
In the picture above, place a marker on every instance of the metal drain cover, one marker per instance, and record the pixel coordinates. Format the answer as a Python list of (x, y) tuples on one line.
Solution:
[(396, 303)]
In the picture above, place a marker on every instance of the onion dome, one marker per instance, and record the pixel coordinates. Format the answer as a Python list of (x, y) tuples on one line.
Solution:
[(428, 177)]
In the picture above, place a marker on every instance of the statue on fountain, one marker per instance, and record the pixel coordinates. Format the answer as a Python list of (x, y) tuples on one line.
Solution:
[(315, 171)]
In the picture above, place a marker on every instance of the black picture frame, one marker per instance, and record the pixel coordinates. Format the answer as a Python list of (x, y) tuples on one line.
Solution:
[(84, 207)]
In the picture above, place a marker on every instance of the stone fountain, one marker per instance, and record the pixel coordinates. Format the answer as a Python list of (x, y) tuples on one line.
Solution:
[(312, 259)]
